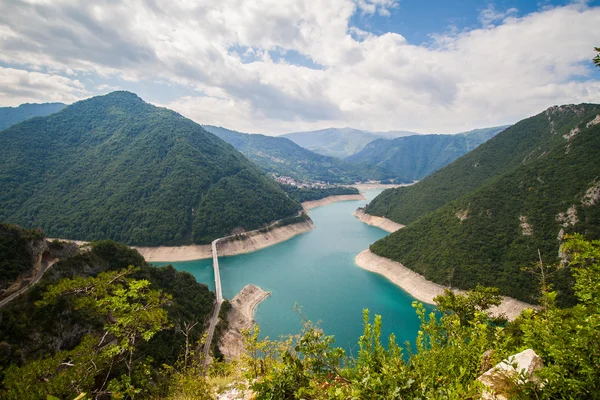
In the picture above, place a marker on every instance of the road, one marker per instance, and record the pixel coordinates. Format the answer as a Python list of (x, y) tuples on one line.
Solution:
[(36, 279)]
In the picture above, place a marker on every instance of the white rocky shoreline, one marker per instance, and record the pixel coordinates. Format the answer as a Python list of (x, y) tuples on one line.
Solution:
[(240, 317), (380, 222), (423, 290)]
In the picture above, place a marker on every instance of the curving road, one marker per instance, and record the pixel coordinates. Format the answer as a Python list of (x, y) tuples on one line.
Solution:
[(36, 279)]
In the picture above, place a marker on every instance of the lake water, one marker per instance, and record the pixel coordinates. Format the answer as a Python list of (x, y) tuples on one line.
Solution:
[(316, 270)]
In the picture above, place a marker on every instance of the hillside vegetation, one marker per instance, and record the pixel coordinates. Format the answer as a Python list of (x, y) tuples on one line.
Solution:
[(415, 157), (13, 115), (283, 157), (116, 167), (520, 144), (489, 234), (102, 321)]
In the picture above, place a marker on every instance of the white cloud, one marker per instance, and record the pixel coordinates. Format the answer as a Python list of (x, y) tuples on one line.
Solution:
[(511, 68), (382, 7), (489, 15), (19, 86)]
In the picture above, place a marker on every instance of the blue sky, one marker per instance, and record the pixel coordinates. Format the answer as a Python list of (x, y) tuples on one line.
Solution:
[(418, 20), (275, 66)]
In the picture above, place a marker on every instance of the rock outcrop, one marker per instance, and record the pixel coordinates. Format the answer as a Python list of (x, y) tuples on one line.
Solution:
[(518, 369)]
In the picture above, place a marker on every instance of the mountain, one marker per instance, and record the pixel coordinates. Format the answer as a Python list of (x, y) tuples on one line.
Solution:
[(281, 156), (13, 115), (394, 134), (519, 144), (338, 142), (116, 167), (417, 156), (483, 218)]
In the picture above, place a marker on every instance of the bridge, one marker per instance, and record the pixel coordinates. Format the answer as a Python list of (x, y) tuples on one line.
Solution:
[(214, 319)]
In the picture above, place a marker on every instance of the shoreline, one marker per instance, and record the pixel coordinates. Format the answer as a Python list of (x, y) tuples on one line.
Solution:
[(423, 290), (379, 222), (241, 316), (253, 241), (309, 205), (244, 243)]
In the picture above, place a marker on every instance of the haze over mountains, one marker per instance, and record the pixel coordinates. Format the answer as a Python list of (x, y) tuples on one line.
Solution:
[(281, 156), (339, 142), (483, 218), (403, 159), (13, 115), (415, 157), (116, 167)]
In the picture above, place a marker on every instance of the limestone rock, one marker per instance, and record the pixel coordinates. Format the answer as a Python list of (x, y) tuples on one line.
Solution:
[(526, 227), (519, 368)]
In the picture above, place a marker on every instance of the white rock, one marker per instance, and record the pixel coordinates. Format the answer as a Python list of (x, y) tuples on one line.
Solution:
[(518, 368)]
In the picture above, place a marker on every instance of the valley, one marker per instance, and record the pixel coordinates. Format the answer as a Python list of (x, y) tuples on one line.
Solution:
[(474, 248)]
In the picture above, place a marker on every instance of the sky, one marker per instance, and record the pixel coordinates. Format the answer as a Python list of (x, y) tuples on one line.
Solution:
[(278, 66)]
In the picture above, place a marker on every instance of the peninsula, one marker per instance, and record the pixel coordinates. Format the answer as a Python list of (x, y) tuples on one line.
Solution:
[(380, 222), (240, 317)]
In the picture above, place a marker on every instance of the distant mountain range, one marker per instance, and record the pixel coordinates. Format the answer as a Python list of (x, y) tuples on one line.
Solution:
[(116, 167), (415, 157), (13, 115), (339, 142), (281, 156), (483, 218)]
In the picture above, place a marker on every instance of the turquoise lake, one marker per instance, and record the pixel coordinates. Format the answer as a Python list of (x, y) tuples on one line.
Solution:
[(316, 271)]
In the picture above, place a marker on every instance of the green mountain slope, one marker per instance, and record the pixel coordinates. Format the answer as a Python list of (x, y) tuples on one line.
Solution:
[(489, 234), (283, 157), (520, 144), (13, 115), (339, 142), (415, 157), (116, 167)]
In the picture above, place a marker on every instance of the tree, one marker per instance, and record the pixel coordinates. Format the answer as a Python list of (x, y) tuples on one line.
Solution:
[(567, 339), (130, 312), (597, 58), (479, 299)]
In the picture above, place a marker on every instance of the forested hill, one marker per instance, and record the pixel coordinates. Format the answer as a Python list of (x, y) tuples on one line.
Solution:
[(13, 115), (417, 156), (281, 156), (116, 167), (518, 145), (93, 317), (339, 142), (490, 234)]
